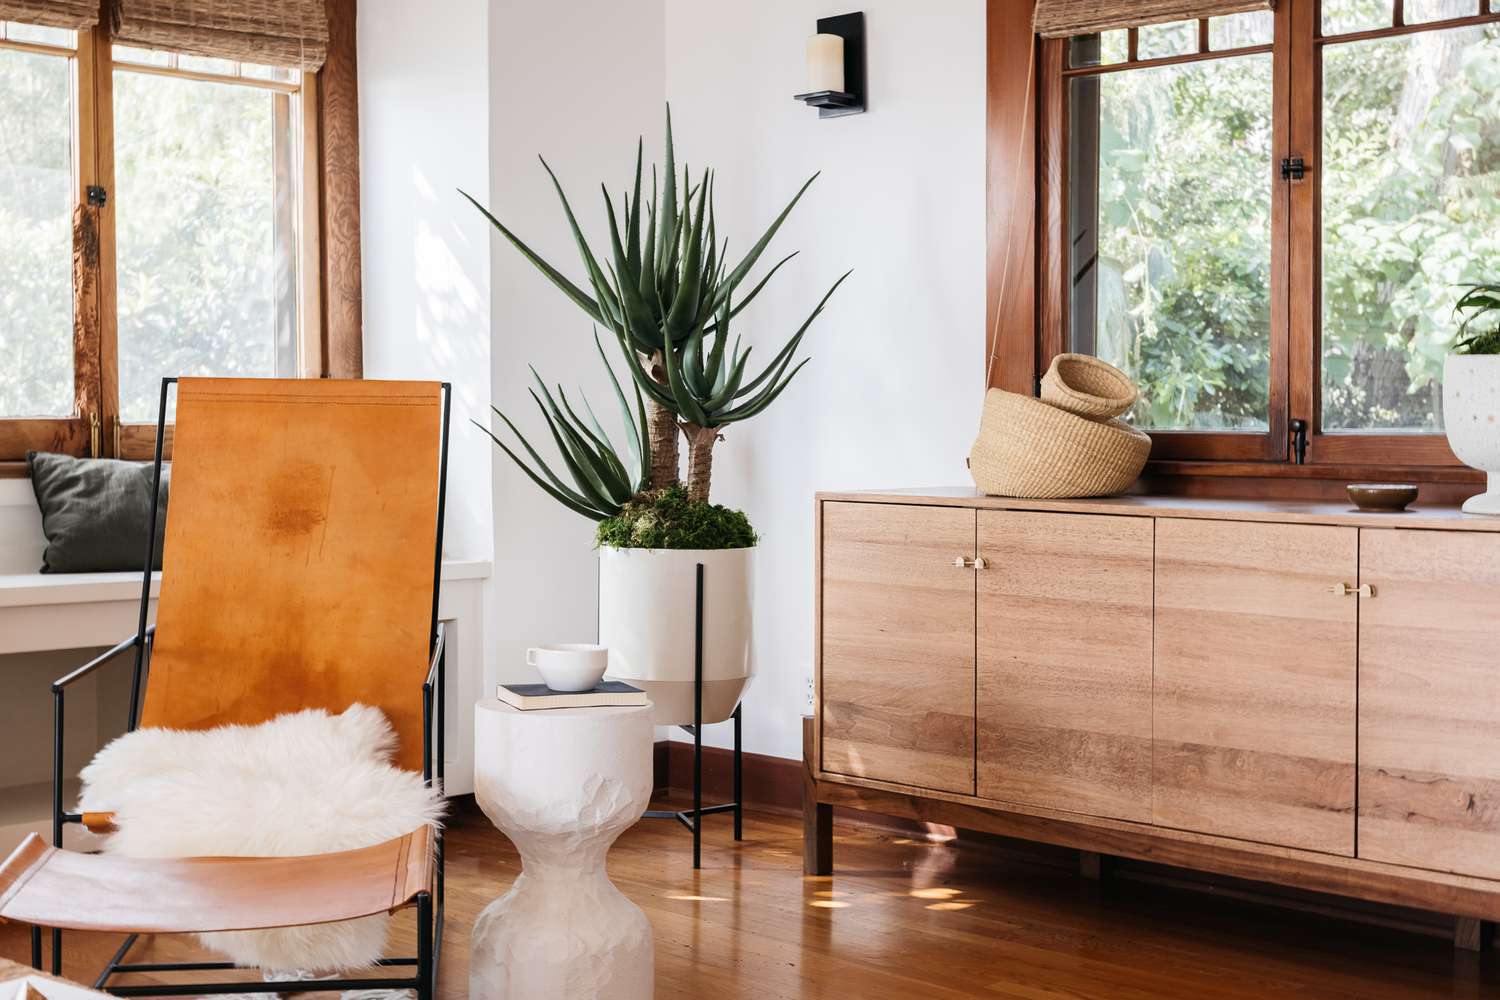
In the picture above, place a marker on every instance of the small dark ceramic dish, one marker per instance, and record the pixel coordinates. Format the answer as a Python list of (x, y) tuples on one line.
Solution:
[(1389, 498)]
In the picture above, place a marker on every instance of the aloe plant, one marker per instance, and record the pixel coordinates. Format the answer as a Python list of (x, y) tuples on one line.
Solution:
[(706, 385), (1481, 308), (603, 480), (666, 290)]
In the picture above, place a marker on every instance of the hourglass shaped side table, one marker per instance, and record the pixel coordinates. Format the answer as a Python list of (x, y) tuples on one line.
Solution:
[(562, 784)]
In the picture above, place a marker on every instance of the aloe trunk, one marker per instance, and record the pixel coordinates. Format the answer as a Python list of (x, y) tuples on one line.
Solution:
[(663, 428), (700, 459)]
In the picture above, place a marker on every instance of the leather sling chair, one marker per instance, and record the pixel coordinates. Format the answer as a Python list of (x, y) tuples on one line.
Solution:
[(301, 570)]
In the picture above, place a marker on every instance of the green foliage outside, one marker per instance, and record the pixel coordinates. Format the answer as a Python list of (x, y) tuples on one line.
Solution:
[(197, 249), (1185, 240), (1411, 213), (667, 519), (199, 268), (36, 237)]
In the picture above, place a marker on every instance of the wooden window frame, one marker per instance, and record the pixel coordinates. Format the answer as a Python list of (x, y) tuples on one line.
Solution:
[(78, 433), (328, 341), (1206, 463)]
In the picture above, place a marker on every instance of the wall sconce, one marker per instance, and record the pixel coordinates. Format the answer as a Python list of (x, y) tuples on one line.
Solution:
[(836, 66)]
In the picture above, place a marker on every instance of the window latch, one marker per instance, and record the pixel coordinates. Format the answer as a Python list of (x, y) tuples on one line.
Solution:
[(1293, 168), (97, 196), (1298, 428)]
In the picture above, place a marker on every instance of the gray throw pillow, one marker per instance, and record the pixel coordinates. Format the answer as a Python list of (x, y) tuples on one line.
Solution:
[(95, 512)]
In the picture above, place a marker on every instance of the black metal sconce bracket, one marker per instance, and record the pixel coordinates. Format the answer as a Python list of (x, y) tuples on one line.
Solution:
[(850, 100)]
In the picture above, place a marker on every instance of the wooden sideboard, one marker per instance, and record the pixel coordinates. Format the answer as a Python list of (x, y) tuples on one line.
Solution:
[(1296, 693)]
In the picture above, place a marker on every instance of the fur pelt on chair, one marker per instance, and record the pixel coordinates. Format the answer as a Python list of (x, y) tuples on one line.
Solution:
[(303, 783)]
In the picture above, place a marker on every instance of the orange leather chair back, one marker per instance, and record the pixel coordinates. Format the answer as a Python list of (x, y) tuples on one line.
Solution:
[(299, 558)]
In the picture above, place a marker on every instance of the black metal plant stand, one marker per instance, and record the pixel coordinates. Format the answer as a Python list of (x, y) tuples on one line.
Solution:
[(693, 818)]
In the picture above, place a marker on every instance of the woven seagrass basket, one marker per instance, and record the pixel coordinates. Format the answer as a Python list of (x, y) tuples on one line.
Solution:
[(1030, 448), (1082, 384)]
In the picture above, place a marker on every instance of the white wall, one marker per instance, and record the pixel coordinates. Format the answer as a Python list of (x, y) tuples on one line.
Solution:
[(424, 132), (892, 395), (577, 82)]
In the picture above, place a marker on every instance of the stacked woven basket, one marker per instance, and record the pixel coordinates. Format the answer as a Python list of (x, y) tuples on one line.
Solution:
[(1069, 443)]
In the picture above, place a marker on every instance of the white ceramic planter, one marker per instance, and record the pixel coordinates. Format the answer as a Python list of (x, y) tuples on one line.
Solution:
[(646, 618), (1471, 414)]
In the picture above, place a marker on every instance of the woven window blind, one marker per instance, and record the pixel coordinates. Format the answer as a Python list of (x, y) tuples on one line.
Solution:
[(290, 33), (1062, 18), (76, 15)]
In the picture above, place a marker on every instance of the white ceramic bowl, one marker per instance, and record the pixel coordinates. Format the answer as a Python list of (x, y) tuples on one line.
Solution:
[(570, 666), (1471, 415)]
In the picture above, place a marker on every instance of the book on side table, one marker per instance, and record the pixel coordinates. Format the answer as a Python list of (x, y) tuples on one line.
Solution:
[(527, 697)]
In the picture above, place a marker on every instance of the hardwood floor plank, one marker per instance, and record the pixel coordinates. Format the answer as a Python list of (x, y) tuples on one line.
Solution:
[(903, 918)]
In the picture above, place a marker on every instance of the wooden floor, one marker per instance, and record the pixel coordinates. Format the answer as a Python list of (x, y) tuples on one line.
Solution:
[(911, 919)]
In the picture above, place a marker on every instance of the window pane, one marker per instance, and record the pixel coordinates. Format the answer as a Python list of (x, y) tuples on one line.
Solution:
[(255, 71), (1101, 49), (142, 57), (1411, 154), (17, 31), (203, 64), (1239, 31), (1342, 16), (1155, 41), (1170, 222), (206, 246), (36, 238), (1422, 11)]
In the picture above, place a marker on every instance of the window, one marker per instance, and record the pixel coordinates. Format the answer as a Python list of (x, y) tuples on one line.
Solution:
[(206, 170), (1410, 208), (1170, 218), (36, 227), (1268, 217), (156, 213)]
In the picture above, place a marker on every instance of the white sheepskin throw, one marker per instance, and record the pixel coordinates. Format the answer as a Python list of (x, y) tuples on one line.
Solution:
[(302, 783)]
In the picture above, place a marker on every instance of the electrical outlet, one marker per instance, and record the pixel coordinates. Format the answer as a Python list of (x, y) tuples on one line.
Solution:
[(811, 697)]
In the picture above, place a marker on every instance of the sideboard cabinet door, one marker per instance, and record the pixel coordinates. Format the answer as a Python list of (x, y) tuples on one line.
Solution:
[(1429, 700), (1064, 646), (898, 644), (1254, 699)]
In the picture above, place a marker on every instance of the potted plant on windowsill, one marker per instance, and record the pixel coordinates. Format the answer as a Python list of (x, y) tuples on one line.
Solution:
[(667, 291), (1471, 391)]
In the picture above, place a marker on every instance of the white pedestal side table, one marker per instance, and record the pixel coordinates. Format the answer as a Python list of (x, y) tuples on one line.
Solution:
[(562, 784)]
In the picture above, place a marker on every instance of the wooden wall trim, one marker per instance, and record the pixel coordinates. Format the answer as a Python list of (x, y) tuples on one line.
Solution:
[(338, 128), (1010, 196)]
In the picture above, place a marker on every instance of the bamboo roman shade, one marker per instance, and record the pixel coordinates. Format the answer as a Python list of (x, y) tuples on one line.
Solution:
[(1063, 18), (273, 32), (75, 15)]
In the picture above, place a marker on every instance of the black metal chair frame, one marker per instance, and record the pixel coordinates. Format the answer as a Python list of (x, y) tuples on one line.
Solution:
[(429, 905), (693, 818)]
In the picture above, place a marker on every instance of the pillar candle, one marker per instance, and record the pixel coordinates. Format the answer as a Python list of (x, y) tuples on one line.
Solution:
[(825, 63)]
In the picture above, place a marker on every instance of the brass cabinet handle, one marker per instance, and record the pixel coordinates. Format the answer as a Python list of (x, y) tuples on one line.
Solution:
[(1344, 590), (964, 562), (960, 562)]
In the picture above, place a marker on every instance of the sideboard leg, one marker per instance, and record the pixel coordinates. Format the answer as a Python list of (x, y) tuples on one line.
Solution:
[(817, 817), (1094, 866), (1472, 934), (817, 837)]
